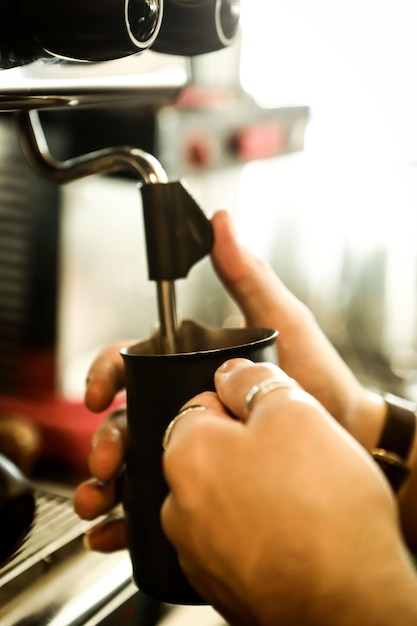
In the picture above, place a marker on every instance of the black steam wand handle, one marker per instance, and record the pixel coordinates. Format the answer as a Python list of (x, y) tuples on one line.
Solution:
[(177, 232)]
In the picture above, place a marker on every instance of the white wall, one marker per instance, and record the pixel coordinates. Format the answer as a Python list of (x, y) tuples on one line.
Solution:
[(345, 213), (350, 59)]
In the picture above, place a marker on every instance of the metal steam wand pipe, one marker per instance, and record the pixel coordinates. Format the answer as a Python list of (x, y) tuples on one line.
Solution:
[(105, 161)]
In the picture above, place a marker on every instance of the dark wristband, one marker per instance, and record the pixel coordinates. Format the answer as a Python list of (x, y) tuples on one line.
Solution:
[(394, 446)]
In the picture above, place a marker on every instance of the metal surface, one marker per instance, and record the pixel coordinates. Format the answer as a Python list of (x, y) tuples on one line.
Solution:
[(50, 84), (53, 580), (36, 151), (148, 169)]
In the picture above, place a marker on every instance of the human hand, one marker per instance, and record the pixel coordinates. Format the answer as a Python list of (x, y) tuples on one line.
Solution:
[(101, 494), (305, 353), (286, 519)]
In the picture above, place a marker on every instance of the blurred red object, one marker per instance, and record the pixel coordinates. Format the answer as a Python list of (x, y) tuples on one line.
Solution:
[(62, 429)]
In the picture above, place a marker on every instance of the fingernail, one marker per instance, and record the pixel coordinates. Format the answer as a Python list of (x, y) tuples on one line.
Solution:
[(107, 433), (232, 364)]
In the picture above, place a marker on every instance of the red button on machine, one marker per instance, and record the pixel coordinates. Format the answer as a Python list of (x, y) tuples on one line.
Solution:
[(259, 141), (202, 151)]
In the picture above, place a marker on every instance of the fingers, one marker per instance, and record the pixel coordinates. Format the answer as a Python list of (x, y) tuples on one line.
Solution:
[(108, 536), (108, 446), (100, 494), (105, 378), (201, 442), (240, 386), (191, 435), (93, 498), (206, 406), (305, 353), (262, 297), (235, 381)]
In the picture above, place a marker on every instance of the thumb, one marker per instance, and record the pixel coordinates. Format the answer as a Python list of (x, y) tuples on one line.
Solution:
[(261, 296)]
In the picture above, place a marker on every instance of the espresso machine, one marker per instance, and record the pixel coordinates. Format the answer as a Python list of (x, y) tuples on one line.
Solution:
[(91, 57)]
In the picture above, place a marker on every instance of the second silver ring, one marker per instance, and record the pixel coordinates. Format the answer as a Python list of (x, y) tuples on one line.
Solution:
[(266, 386)]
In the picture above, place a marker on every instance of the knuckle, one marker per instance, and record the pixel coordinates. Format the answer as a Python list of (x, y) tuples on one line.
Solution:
[(190, 459)]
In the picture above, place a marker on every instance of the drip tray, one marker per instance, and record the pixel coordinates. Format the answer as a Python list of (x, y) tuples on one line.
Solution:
[(52, 579)]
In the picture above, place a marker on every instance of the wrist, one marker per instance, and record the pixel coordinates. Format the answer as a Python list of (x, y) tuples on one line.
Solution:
[(383, 593), (380, 590), (366, 425), (385, 425), (367, 419)]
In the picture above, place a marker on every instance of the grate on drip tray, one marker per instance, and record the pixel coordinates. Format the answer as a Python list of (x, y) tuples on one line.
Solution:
[(55, 531)]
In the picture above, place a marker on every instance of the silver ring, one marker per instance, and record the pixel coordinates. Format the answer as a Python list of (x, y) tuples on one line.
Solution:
[(171, 425), (264, 387)]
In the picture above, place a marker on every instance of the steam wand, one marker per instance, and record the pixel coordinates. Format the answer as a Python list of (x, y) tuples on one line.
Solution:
[(177, 232)]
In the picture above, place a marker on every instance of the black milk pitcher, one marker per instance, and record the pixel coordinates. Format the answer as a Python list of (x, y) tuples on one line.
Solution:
[(157, 386)]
